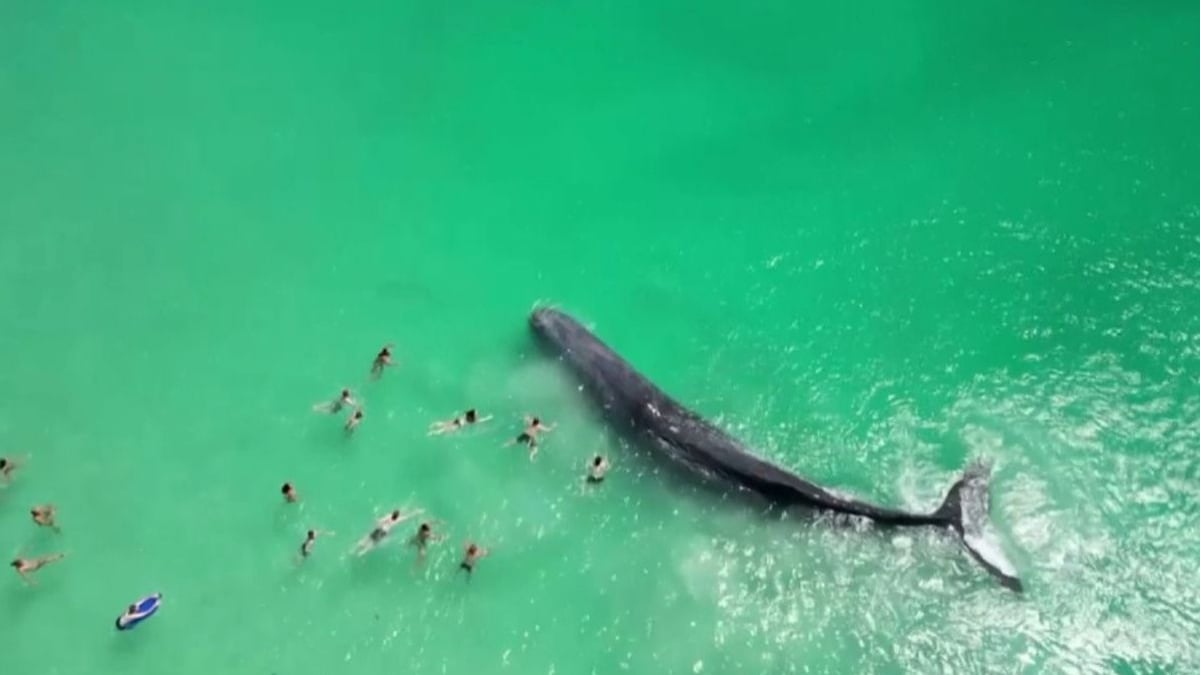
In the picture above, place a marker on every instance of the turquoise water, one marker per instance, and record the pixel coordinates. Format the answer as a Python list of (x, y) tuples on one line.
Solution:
[(875, 242)]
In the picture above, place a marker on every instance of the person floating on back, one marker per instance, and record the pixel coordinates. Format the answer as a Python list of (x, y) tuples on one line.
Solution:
[(382, 360), (383, 527), (26, 567), (289, 493), (354, 420), (596, 469), (471, 556), (344, 400), (465, 420), (533, 427), (44, 515)]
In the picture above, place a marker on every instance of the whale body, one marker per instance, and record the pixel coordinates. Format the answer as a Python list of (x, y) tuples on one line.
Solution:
[(685, 438)]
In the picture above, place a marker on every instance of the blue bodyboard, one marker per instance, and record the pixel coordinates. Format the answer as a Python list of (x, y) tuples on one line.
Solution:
[(144, 609)]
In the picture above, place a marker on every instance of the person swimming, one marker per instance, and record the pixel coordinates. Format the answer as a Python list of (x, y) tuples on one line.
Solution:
[(344, 400), (465, 420), (382, 360), (44, 514), (424, 537), (289, 493), (354, 420), (383, 527), (8, 466), (26, 567), (596, 469), (471, 556), (310, 540), (533, 427)]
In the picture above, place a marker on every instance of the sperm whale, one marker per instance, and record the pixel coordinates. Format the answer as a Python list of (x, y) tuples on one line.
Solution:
[(682, 436)]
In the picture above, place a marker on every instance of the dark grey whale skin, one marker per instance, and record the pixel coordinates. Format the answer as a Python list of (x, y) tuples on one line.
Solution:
[(680, 435)]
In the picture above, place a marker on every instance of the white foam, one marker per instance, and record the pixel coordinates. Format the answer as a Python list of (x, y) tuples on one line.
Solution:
[(987, 548)]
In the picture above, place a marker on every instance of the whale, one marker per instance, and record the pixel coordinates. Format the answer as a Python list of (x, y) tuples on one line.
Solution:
[(682, 437)]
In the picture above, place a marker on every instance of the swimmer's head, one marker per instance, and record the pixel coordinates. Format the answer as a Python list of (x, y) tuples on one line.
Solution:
[(287, 487), (535, 421), (358, 414), (472, 549), (345, 393), (470, 417), (396, 514), (16, 563), (3, 462), (133, 609), (425, 527), (597, 460), (312, 534)]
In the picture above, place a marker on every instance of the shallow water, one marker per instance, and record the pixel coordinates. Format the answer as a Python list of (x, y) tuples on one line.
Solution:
[(874, 242)]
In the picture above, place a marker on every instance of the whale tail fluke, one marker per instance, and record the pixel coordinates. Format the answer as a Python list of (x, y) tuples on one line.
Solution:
[(965, 509)]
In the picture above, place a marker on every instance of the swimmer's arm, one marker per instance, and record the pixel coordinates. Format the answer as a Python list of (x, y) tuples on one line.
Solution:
[(26, 578), (410, 514)]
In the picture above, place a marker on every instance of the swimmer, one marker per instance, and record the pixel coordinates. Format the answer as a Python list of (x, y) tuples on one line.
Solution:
[(383, 527), (310, 540), (471, 555), (8, 466), (44, 515), (26, 567), (354, 420), (289, 493), (424, 537), (382, 360), (345, 400), (465, 420), (533, 427), (596, 469)]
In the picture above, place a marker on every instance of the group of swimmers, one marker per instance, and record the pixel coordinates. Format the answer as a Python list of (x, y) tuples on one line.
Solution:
[(44, 515), (425, 535)]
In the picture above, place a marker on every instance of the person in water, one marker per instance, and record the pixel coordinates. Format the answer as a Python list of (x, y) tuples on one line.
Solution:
[(471, 556), (424, 537), (383, 527), (344, 400), (465, 420), (132, 613), (310, 540), (289, 493), (382, 360), (596, 469), (354, 420), (533, 427), (8, 467), (26, 567), (44, 514)]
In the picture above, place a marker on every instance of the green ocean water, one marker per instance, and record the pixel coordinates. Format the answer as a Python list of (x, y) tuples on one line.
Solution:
[(875, 241)]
